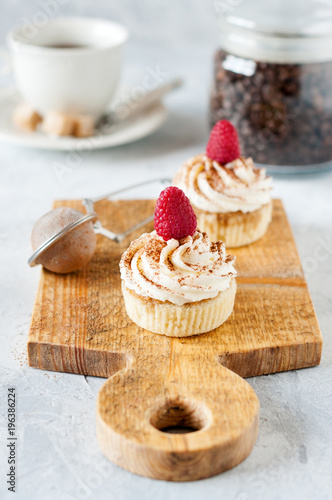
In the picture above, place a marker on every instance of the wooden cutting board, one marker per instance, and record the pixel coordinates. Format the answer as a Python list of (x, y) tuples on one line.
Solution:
[(160, 386)]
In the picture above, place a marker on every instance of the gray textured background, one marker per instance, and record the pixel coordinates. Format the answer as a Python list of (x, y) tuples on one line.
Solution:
[(59, 457)]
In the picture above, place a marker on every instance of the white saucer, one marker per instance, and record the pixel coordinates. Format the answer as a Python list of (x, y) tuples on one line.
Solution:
[(142, 126)]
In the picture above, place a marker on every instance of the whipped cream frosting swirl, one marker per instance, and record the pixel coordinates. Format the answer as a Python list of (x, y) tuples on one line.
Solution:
[(213, 187), (178, 271)]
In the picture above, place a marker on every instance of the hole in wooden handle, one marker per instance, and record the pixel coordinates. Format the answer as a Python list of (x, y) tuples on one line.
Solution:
[(180, 416)]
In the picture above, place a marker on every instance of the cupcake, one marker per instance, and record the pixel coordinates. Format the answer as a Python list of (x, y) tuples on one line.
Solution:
[(231, 198), (175, 281)]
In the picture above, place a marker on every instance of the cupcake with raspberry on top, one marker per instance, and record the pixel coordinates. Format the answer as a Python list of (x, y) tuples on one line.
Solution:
[(175, 281), (230, 196)]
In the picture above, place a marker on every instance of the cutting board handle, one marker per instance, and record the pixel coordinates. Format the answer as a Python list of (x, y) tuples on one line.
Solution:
[(142, 408)]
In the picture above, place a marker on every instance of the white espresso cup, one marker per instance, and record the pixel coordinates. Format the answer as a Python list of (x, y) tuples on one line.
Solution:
[(69, 64)]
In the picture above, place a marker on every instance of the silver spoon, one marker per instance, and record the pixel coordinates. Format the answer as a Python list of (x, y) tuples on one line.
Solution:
[(132, 106)]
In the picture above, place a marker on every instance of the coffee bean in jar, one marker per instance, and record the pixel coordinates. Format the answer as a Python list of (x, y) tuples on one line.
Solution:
[(274, 83)]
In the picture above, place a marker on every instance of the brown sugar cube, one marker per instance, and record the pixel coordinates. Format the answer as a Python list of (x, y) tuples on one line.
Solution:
[(26, 118), (84, 126), (59, 123)]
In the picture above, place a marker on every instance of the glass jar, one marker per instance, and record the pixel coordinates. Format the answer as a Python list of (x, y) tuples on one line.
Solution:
[(273, 80)]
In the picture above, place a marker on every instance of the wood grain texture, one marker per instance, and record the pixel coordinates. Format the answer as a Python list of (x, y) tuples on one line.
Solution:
[(79, 325)]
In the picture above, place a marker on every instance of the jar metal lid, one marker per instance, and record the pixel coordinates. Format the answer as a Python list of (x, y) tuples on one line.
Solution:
[(277, 31)]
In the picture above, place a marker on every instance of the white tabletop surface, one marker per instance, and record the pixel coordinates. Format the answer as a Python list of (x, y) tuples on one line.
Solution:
[(58, 454)]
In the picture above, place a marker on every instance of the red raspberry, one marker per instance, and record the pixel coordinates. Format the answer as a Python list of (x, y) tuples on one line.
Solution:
[(174, 216), (223, 145)]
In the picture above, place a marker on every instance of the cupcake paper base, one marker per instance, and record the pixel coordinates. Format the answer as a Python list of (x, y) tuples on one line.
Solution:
[(235, 229), (172, 320)]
